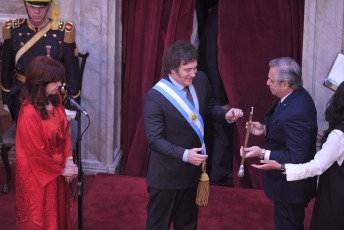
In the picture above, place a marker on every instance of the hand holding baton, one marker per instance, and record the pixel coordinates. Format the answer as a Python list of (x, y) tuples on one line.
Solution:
[(241, 172)]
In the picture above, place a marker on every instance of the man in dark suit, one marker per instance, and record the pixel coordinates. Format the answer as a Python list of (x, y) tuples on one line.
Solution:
[(172, 112), (290, 129)]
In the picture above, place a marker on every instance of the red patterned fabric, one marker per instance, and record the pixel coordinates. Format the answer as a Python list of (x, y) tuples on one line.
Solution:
[(42, 147)]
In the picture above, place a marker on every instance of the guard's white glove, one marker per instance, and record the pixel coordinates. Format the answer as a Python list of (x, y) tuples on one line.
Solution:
[(6, 108), (70, 114)]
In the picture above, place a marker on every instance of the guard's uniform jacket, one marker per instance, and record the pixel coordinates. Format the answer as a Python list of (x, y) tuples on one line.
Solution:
[(58, 44)]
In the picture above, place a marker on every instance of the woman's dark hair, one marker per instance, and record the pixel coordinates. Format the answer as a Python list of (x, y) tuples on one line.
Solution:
[(334, 113), (180, 52), (40, 72)]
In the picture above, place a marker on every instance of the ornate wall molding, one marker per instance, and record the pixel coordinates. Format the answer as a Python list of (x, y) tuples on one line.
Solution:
[(322, 40)]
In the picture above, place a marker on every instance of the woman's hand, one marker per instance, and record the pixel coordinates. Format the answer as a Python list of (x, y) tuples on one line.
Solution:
[(69, 179), (69, 162), (70, 171), (267, 165)]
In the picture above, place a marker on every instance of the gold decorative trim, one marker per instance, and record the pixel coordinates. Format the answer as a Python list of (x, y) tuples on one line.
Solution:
[(193, 117), (77, 95), (16, 23), (61, 26), (6, 29), (5, 90), (38, 1), (21, 77), (69, 35), (76, 52)]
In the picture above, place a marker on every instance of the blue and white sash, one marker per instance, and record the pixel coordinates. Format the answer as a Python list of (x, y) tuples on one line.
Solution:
[(184, 106)]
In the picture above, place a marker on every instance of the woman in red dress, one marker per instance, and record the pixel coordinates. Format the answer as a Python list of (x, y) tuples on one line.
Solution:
[(44, 164)]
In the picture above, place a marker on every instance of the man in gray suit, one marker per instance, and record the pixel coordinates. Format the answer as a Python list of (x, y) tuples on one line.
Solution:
[(172, 113)]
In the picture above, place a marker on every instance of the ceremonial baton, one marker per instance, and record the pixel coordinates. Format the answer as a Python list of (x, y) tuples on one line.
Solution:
[(241, 172)]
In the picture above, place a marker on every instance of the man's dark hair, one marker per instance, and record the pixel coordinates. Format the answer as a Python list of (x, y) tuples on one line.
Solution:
[(180, 52)]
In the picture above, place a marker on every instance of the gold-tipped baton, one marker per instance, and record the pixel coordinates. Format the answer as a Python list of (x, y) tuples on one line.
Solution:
[(241, 172)]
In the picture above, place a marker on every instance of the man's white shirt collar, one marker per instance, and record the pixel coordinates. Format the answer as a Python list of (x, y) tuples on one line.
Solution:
[(176, 84)]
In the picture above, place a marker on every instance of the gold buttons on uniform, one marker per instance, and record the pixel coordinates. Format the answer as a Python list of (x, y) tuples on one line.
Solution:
[(54, 35), (20, 34), (60, 42), (45, 35), (28, 34), (21, 44)]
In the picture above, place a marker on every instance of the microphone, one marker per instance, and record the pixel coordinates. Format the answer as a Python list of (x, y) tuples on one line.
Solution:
[(73, 102)]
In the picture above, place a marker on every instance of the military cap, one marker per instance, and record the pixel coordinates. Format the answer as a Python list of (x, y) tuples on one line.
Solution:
[(38, 3)]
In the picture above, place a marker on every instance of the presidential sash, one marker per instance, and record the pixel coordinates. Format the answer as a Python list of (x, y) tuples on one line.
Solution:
[(184, 106)]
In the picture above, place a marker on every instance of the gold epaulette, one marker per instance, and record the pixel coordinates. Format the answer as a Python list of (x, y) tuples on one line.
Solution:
[(18, 22), (69, 35), (6, 29), (60, 26)]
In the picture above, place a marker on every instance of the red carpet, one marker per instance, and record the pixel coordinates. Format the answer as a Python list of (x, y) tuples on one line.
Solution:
[(114, 202)]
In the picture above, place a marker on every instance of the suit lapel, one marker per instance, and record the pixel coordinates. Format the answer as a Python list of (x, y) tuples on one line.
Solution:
[(200, 95), (269, 116), (275, 111)]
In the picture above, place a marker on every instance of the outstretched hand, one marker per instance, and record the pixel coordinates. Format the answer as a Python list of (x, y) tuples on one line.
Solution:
[(267, 165), (234, 114), (195, 158)]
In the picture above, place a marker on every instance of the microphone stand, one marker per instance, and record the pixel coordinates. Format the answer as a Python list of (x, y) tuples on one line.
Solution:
[(80, 174), (80, 186)]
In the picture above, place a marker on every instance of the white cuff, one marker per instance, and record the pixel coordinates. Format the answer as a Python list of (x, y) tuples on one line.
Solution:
[(185, 155), (267, 154), (70, 114)]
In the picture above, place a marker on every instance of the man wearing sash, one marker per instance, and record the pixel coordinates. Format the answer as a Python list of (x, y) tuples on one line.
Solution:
[(173, 113), (37, 35)]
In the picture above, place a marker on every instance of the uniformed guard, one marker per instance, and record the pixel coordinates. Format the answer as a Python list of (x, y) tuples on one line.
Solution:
[(38, 35)]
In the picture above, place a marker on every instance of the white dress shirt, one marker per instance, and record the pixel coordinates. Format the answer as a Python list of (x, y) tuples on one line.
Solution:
[(331, 151)]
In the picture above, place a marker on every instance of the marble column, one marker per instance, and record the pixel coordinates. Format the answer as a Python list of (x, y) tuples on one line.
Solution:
[(323, 31), (98, 32)]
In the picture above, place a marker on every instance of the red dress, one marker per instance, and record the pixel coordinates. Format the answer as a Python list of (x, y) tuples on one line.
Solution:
[(42, 146)]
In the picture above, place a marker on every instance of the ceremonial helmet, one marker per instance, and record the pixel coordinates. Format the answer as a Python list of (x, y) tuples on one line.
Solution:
[(38, 3)]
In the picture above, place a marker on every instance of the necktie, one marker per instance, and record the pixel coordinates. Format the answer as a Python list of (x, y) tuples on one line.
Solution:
[(188, 95)]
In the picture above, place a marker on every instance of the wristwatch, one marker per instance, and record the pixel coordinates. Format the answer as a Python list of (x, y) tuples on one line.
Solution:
[(262, 155), (282, 169)]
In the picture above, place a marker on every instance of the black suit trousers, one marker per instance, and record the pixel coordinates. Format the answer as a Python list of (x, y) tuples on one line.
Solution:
[(165, 205), (289, 216)]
